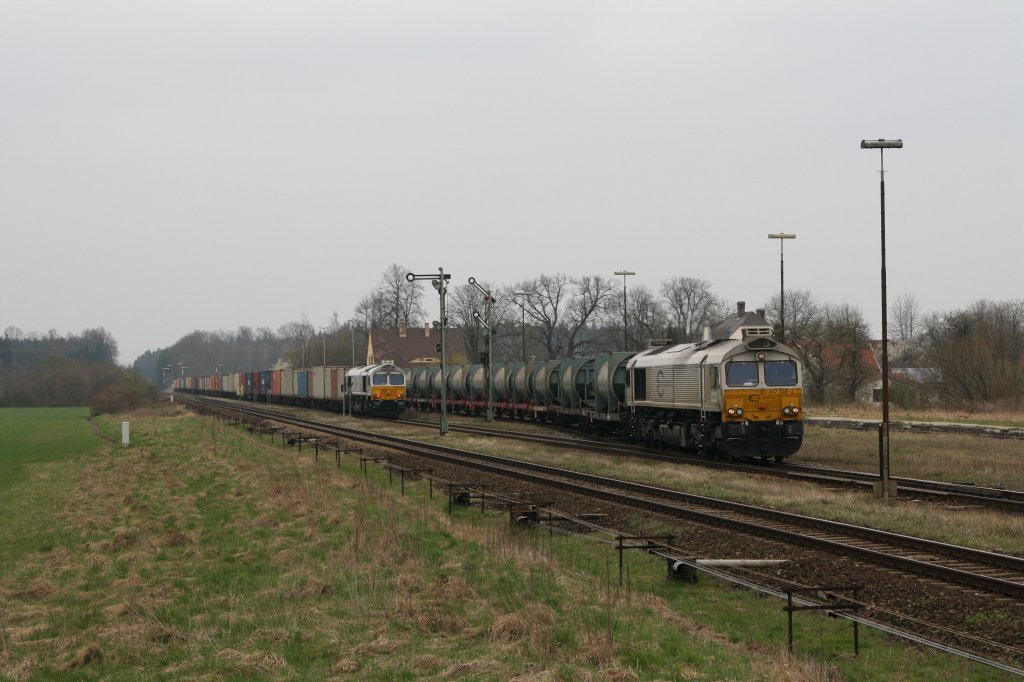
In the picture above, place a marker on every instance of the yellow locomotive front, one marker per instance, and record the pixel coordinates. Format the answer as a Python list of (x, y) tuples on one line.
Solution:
[(762, 401)]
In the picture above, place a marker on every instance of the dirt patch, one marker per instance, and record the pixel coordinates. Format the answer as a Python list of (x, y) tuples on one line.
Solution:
[(173, 538), (381, 645), (20, 634), (84, 656), (532, 625), (39, 588), (117, 610), (131, 581), (471, 669), (344, 666), (255, 662)]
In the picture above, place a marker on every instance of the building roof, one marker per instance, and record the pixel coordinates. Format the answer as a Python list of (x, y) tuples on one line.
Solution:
[(732, 326), (414, 345)]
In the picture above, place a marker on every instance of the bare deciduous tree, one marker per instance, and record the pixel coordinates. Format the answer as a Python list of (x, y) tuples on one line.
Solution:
[(691, 304), (403, 300), (645, 314), (562, 307), (976, 353), (372, 311), (904, 317)]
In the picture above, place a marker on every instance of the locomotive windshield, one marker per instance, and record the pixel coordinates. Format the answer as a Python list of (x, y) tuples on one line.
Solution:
[(741, 373), (396, 379), (780, 373), (380, 379)]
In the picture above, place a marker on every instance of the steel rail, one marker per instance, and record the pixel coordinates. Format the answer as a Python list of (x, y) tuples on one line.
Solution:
[(979, 495), (615, 490)]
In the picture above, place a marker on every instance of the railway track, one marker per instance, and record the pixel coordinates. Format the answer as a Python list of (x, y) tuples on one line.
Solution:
[(960, 493), (978, 569), (995, 575)]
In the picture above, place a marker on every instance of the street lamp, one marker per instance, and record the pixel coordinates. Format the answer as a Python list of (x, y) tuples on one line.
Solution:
[(625, 322), (522, 306), (488, 302), (323, 336), (782, 237), (883, 436), (440, 283)]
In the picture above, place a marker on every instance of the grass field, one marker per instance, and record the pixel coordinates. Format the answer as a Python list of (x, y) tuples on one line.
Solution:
[(203, 552)]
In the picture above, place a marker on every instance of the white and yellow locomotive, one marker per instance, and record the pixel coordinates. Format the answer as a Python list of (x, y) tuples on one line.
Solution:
[(376, 390), (738, 394)]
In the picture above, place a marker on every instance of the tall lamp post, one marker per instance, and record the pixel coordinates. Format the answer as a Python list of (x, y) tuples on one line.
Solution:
[(883, 433), (440, 284), (625, 319), (782, 237), (323, 335), (488, 302), (522, 305)]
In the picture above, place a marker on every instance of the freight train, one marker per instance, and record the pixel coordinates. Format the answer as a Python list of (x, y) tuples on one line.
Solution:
[(374, 390), (737, 394)]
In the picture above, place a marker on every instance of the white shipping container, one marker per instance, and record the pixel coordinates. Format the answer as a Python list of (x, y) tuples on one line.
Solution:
[(318, 387), (287, 382)]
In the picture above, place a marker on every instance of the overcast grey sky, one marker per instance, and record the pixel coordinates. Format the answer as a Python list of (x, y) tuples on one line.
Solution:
[(171, 166)]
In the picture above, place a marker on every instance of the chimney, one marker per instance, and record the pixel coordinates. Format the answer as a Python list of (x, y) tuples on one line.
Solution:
[(401, 331), (426, 329), (741, 307), (760, 312)]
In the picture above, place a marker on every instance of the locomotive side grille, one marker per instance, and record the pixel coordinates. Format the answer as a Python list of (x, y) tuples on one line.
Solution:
[(686, 384)]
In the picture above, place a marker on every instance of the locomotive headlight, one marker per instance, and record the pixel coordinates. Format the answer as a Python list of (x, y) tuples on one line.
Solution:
[(796, 410), (786, 410), (762, 356), (732, 411), (739, 411)]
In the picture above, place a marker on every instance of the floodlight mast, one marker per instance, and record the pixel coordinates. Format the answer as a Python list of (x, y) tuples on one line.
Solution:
[(488, 302), (522, 306), (440, 283), (883, 434), (782, 237), (625, 319)]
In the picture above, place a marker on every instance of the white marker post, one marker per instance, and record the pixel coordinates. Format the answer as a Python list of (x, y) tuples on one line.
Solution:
[(124, 434)]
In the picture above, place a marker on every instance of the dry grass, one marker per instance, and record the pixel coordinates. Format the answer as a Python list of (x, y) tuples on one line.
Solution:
[(206, 553), (981, 414)]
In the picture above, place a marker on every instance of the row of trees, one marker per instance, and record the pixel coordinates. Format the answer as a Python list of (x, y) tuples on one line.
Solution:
[(54, 370), (565, 315), (964, 356)]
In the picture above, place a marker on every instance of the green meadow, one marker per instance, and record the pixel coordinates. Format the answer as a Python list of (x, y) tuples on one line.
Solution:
[(202, 551)]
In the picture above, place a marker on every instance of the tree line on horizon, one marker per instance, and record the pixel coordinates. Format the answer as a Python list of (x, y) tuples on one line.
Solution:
[(963, 357), (55, 370), (971, 357)]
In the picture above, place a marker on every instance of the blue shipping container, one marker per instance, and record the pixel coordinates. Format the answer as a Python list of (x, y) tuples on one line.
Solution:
[(302, 379)]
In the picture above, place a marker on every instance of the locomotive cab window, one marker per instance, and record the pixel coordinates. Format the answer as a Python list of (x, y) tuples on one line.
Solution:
[(380, 379), (741, 373), (780, 373), (396, 379)]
